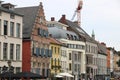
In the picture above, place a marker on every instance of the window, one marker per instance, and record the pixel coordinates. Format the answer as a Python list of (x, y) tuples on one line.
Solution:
[(5, 27), (75, 67), (5, 50), (17, 52), (55, 49), (11, 28), (70, 66), (40, 19), (18, 69), (0, 13), (72, 37), (0, 50), (11, 51), (69, 56), (68, 36), (17, 30), (58, 50), (79, 56), (75, 37), (12, 16), (75, 57), (0, 69), (0, 27)]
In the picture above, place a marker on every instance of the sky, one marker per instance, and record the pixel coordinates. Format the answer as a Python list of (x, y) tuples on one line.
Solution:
[(102, 16)]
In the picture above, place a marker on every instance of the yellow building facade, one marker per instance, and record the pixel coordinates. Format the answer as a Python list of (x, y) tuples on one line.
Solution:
[(55, 64)]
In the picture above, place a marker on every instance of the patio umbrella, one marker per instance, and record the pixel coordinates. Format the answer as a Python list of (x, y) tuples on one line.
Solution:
[(65, 74), (7, 75), (58, 76), (29, 75)]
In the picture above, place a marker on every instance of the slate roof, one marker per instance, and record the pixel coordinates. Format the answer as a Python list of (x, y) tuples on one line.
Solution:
[(80, 31), (60, 33), (30, 14)]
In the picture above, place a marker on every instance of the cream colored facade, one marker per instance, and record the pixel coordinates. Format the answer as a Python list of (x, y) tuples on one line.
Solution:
[(91, 58), (15, 53), (78, 62)]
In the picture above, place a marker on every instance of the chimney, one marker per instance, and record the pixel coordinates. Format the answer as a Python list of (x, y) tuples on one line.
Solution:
[(103, 43), (52, 19), (50, 35), (63, 19)]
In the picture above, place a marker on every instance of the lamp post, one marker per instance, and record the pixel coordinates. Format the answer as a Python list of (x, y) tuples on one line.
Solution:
[(9, 69)]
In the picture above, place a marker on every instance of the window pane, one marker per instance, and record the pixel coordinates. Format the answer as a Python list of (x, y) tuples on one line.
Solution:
[(12, 16), (0, 13), (5, 51), (11, 28), (0, 27), (0, 50), (18, 69), (69, 56), (17, 52), (11, 51), (17, 30), (5, 27)]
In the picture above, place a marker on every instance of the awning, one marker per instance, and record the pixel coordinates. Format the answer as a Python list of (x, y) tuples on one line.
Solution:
[(65, 74)]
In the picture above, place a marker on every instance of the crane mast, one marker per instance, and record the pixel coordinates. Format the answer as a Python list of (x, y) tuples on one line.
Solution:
[(78, 12)]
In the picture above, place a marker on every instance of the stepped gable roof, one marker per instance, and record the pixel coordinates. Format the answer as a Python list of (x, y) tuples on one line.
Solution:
[(102, 49), (30, 14), (60, 33), (80, 31)]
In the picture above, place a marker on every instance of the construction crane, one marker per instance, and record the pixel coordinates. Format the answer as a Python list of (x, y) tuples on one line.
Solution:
[(77, 12)]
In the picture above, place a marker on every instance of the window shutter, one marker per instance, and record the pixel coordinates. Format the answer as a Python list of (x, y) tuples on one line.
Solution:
[(50, 53), (37, 51), (47, 52), (42, 52)]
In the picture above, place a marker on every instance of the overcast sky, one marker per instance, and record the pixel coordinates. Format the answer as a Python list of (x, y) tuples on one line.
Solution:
[(102, 16)]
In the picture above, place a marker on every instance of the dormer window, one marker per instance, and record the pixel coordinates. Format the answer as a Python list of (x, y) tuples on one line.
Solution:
[(12, 16)]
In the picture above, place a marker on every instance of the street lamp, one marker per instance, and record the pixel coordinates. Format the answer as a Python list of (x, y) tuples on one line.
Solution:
[(9, 69)]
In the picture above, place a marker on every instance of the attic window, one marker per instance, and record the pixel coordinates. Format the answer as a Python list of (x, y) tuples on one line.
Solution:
[(72, 37), (75, 37), (12, 16), (68, 36)]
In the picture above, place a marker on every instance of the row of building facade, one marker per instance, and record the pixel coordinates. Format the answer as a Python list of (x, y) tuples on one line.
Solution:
[(50, 47)]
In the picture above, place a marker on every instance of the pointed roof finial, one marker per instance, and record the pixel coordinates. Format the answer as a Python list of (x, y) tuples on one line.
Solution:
[(93, 34), (40, 3)]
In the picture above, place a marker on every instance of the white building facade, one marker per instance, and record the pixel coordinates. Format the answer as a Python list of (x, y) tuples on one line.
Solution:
[(10, 38), (74, 50)]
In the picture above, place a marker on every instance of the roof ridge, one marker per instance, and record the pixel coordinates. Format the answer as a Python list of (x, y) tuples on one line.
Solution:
[(26, 7)]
